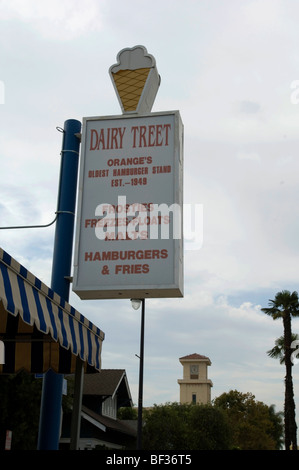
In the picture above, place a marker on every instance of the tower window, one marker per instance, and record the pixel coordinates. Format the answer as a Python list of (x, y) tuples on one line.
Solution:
[(194, 371), (193, 398)]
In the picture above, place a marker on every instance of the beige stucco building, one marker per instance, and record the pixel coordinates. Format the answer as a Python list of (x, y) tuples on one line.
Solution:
[(195, 387)]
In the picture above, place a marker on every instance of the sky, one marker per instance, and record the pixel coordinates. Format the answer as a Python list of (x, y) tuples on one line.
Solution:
[(231, 69)]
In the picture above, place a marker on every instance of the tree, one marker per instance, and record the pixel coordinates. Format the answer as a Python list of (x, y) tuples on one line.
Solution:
[(277, 352), (277, 428), (233, 421), (284, 306), (165, 427), (209, 428), (20, 396), (254, 425), (175, 426), (127, 412)]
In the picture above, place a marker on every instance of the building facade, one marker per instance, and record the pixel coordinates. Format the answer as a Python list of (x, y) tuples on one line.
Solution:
[(103, 394), (195, 387)]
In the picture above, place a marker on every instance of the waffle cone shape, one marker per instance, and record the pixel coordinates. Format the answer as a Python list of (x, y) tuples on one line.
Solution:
[(130, 85)]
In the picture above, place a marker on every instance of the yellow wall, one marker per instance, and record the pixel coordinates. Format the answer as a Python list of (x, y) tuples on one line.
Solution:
[(199, 385)]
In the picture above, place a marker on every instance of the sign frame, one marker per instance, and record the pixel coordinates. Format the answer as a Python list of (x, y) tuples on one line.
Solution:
[(94, 290)]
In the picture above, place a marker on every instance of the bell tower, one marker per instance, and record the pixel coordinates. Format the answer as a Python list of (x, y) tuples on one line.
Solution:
[(195, 387)]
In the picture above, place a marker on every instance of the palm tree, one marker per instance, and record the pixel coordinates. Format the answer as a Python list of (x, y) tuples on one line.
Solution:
[(278, 351), (285, 305)]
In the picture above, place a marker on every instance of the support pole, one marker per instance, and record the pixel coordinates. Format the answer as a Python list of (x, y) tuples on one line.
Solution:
[(50, 413), (141, 362), (77, 406)]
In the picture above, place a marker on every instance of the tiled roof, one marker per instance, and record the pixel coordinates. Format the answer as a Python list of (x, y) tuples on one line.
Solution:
[(194, 356)]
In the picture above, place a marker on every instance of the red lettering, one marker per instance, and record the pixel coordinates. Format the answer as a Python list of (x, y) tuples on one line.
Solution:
[(88, 256), (145, 268), (158, 134), (114, 138), (134, 130), (167, 127), (131, 269), (101, 140), (93, 135), (142, 132), (151, 131), (110, 138), (150, 136), (91, 223), (117, 268)]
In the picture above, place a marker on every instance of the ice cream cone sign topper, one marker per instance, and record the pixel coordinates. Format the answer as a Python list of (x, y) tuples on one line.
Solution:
[(135, 79)]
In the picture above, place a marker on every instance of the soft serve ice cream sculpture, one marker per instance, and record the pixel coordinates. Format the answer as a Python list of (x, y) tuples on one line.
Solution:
[(135, 79)]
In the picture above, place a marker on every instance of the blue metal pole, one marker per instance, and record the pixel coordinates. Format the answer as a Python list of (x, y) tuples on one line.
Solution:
[(50, 413), (141, 363)]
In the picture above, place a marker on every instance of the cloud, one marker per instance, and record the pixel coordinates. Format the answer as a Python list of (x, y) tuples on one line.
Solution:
[(228, 69), (58, 19), (249, 107), (253, 156)]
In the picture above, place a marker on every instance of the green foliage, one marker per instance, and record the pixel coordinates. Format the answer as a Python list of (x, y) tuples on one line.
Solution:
[(233, 421), (285, 306), (278, 351), (165, 427), (175, 426), (284, 302), (254, 425), (20, 397), (127, 412), (210, 426)]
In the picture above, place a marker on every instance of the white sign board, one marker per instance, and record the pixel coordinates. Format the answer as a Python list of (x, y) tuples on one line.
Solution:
[(129, 240)]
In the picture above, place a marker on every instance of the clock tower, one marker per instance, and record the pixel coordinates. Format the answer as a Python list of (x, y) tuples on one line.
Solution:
[(195, 387)]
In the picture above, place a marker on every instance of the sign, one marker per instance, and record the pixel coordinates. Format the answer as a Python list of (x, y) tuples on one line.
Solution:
[(2, 353), (135, 79), (8, 439), (129, 240)]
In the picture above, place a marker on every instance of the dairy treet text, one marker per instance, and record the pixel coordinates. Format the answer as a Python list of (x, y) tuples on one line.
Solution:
[(112, 138)]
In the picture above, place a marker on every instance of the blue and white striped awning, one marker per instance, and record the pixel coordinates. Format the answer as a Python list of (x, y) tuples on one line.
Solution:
[(40, 330)]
